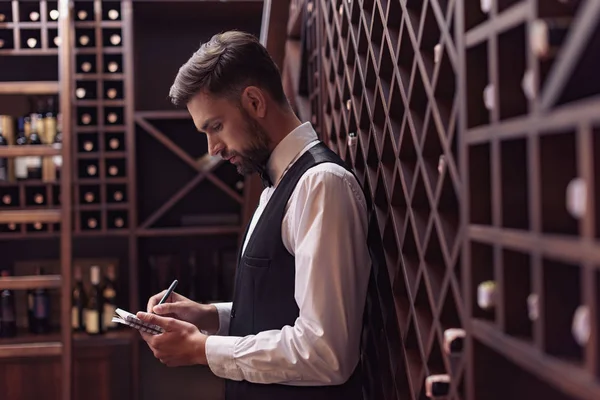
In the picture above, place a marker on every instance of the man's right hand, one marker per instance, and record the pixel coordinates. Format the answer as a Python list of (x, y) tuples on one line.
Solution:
[(204, 316)]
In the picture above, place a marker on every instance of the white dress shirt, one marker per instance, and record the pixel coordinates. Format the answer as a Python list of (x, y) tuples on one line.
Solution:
[(325, 229)]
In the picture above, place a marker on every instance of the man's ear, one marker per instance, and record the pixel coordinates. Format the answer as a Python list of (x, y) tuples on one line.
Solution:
[(254, 101)]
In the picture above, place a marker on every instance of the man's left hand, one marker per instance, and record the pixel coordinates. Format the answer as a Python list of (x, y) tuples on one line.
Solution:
[(181, 344)]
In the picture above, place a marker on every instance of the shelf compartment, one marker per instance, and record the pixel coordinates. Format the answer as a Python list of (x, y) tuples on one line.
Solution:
[(514, 184), (30, 282), (30, 216)]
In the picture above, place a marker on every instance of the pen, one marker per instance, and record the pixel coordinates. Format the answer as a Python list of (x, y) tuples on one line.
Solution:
[(169, 291)]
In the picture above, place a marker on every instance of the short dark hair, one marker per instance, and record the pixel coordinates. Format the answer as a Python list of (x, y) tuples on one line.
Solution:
[(225, 66)]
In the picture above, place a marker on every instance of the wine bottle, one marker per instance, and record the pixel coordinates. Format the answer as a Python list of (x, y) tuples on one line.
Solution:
[(93, 311), (50, 132), (109, 293), (8, 321), (547, 35), (113, 66), (78, 302), (21, 162), (57, 159), (41, 308), (34, 163), (54, 14), (3, 160)]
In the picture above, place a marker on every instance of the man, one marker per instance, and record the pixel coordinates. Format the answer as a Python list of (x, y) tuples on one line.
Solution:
[(293, 330)]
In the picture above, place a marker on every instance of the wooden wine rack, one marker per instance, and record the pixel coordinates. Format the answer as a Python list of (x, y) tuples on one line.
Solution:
[(479, 158)]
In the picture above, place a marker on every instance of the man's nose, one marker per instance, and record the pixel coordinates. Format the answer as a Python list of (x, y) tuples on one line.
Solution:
[(214, 147)]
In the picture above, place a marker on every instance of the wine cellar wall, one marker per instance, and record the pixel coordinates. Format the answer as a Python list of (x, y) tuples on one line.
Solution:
[(473, 126)]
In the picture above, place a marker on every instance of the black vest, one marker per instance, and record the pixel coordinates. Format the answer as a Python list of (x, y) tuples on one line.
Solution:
[(264, 290)]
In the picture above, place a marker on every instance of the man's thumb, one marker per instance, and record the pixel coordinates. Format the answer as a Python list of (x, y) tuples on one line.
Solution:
[(154, 319)]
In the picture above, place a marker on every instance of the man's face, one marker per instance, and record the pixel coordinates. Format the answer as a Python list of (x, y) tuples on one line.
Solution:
[(231, 132)]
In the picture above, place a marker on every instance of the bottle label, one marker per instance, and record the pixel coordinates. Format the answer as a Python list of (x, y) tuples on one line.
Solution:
[(21, 167), (34, 162), (92, 321), (75, 322), (109, 312)]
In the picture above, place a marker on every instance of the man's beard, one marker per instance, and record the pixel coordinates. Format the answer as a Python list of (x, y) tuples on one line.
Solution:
[(255, 156)]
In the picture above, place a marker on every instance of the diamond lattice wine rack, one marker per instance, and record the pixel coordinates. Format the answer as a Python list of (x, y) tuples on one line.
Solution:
[(473, 126)]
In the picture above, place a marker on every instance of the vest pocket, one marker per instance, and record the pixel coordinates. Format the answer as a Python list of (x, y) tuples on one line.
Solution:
[(255, 262)]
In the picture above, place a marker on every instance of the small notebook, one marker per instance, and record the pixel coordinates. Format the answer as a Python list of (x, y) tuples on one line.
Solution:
[(127, 318)]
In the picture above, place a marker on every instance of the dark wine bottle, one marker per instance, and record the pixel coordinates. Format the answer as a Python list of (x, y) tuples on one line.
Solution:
[(21, 162), (41, 308), (93, 311), (109, 293), (79, 302), (8, 321), (34, 163)]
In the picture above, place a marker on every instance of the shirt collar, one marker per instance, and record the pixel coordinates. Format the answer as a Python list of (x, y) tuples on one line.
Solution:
[(288, 150)]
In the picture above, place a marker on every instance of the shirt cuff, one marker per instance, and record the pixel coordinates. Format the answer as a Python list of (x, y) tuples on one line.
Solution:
[(224, 311), (219, 357)]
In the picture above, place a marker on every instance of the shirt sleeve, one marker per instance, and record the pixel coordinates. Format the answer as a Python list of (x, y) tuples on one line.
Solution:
[(224, 313), (325, 228)]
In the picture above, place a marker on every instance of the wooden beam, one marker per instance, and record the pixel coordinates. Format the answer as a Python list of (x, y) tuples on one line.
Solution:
[(29, 87), (29, 150), (30, 282), (31, 350), (30, 216)]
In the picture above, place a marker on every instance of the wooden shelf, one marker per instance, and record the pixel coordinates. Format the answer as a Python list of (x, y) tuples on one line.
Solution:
[(31, 345), (30, 216), (30, 282), (47, 87), (29, 150), (189, 231)]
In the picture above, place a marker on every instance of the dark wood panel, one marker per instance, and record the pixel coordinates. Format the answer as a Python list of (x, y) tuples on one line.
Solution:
[(31, 378)]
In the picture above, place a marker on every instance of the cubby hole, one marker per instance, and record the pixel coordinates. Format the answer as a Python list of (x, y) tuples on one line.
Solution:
[(512, 49), (394, 22), (581, 83), (414, 9), (435, 361), (29, 11), (408, 157), (114, 142), (89, 194), (367, 6), (36, 227), (355, 17), (370, 83), (377, 33), (432, 153), (414, 358), (113, 90), (85, 38), (7, 41), (115, 168), (558, 310), (398, 204), (350, 59), (480, 185), (421, 208), (430, 38), (449, 317), (449, 212), (482, 270), (514, 183), (87, 116), (396, 112), (418, 102), (113, 64), (87, 143), (503, 5), (84, 11), (558, 167), (557, 9), (88, 169), (410, 258), (341, 67), (445, 90), (388, 161), (112, 38), (477, 71), (386, 70), (423, 311), (474, 15), (36, 196), (498, 378), (360, 165), (9, 197), (363, 47), (31, 39), (116, 193), (54, 40), (86, 90), (86, 63), (117, 219), (379, 118), (111, 11), (56, 194), (435, 265), (372, 161), (6, 12), (390, 247), (90, 220), (406, 57), (516, 287), (114, 116)]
